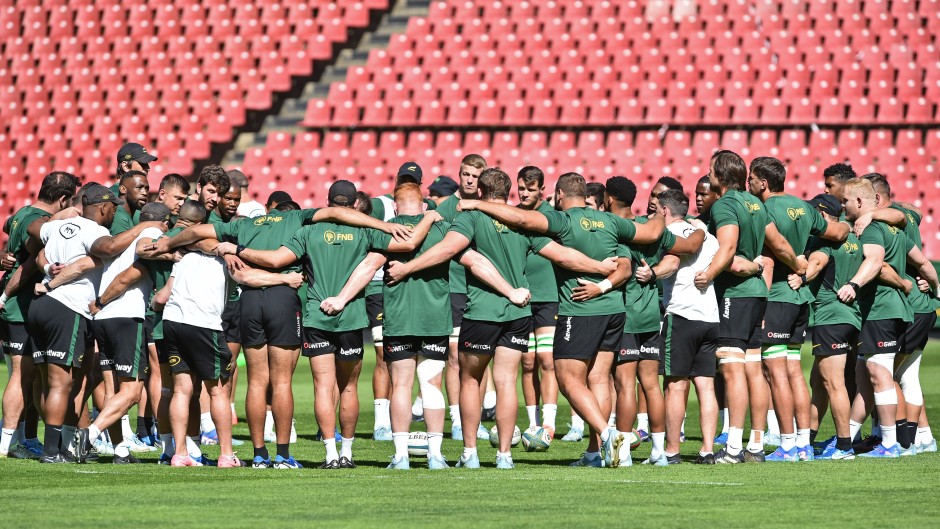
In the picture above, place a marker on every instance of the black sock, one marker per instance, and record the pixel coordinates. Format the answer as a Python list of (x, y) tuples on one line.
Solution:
[(262, 452), (903, 438), (912, 431), (812, 436), (844, 443), (51, 440), (283, 450), (142, 430), (148, 423)]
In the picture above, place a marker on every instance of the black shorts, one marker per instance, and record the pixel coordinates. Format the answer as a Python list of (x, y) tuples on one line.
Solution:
[(638, 346), (163, 355), (404, 347), (483, 337), (881, 337), (197, 350), (231, 321), (149, 322), (122, 347), (688, 347), (915, 339), (270, 316), (784, 324), (15, 337), (832, 340), (581, 337), (60, 335), (348, 345), (374, 307), (739, 322), (544, 315), (458, 306)]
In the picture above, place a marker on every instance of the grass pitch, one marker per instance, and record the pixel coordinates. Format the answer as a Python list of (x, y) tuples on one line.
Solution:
[(542, 490)]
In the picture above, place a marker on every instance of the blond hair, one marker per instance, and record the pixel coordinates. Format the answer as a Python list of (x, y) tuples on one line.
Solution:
[(474, 160), (859, 187)]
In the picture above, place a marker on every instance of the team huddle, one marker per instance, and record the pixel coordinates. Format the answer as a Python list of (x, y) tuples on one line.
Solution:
[(112, 298)]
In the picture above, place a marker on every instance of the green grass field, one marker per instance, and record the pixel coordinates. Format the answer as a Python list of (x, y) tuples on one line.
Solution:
[(542, 490)]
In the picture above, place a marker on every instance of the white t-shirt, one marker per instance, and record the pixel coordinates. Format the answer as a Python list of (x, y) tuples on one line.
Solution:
[(133, 302), (67, 241), (200, 289), (251, 209), (680, 295)]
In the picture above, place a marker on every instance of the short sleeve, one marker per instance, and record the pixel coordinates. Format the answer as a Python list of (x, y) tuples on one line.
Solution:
[(307, 214), (626, 229), (90, 236), (557, 221), (44, 232), (872, 235), (298, 243), (378, 209), (537, 242), (174, 269), (906, 242), (819, 223), (723, 215), (378, 240), (226, 231), (432, 205), (668, 240), (465, 225)]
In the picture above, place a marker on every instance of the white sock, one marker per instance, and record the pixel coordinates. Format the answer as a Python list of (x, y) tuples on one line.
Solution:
[(330, 445), (624, 446), (489, 399), (205, 422), (854, 428), (192, 446), (576, 421), (126, 431), (169, 447), (612, 420), (6, 437), (382, 414), (468, 453), (268, 422), (530, 411), (233, 409), (346, 448), (503, 455), (93, 433), (735, 440), (68, 438), (401, 444), (787, 441), (756, 441), (889, 435), (724, 420), (643, 422), (549, 411), (605, 434), (682, 428), (773, 427), (925, 435), (122, 449), (802, 437), (455, 414), (435, 439), (418, 407), (659, 441)]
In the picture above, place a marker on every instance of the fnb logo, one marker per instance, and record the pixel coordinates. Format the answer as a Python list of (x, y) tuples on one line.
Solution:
[(588, 224), (752, 206), (795, 213), (331, 237), (264, 219)]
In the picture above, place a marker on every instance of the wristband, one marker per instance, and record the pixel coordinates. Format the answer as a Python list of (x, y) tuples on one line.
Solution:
[(653, 275), (854, 286), (804, 279), (49, 288), (47, 268), (98, 303), (760, 270), (605, 286), (238, 250)]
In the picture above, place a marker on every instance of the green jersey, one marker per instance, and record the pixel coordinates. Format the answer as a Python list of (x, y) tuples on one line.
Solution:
[(921, 302), (330, 252), (744, 210), (159, 271), (598, 235), (796, 220), (383, 206), (123, 221), (642, 301), (14, 311), (458, 276), (419, 305), (507, 249), (540, 272), (266, 232), (877, 300), (844, 260)]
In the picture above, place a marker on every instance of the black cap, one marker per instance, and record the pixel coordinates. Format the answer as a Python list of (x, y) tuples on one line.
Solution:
[(278, 197), (136, 152), (442, 186), (412, 170), (99, 194), (155, 211), (827, 204), (342, 193)]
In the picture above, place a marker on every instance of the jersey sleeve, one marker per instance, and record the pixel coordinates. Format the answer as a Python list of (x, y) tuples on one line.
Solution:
[(226, 231), (723, 215), (626, 229), (668, 240), (378, 209), (558, 221), (873, 234), (432, 205), (465, 225), (44, 232), (819, 223), (378, 240), (298, 243), (307, 214), (537, 242), (92, 234), (906, 242)]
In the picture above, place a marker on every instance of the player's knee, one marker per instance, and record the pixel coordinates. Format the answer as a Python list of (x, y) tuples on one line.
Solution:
[(431, 395), (910, 387), (377, 335)]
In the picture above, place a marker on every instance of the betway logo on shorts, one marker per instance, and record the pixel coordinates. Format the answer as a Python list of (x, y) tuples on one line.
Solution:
[(888, 344), (837, 346), (123, 367), (434, 347), (567, 329), (56, 354), (519, 341), (350, 352), (650, 350), (778, 335), (727, 309), (13, 345)]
